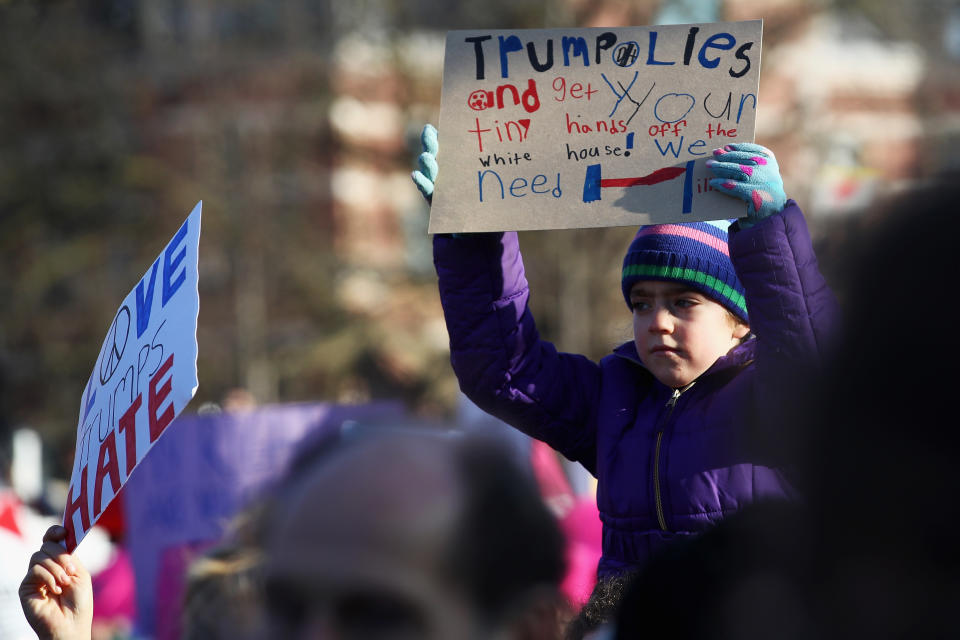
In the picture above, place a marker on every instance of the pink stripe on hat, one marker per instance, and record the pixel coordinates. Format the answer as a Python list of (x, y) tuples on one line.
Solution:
[(686, 232)]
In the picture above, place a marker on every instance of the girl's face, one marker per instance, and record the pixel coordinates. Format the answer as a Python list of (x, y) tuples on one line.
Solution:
[(680, 333)]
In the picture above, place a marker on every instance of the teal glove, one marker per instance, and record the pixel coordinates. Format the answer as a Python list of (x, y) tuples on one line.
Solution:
[(749, 172), (427, 174)]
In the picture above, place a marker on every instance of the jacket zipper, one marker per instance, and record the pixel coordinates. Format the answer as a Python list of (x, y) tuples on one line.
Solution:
[(671, 405)]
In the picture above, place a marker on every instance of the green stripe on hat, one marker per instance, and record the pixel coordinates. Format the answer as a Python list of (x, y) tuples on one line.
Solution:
[(689, 275)]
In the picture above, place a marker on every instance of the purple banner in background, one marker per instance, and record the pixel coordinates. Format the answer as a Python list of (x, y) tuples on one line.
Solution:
[(203, 471)]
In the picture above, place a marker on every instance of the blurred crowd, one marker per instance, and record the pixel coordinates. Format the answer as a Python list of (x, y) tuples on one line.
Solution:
[(407, 533)]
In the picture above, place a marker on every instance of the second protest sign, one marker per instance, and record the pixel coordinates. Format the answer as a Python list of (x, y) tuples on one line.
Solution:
[(145, 375)]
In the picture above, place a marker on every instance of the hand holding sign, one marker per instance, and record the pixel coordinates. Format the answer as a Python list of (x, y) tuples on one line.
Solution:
[(57, 594), (749, 172), (145, 375), (426, 176)]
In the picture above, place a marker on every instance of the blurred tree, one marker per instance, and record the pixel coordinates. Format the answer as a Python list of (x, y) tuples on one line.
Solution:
[(69, 169), (920, 21)]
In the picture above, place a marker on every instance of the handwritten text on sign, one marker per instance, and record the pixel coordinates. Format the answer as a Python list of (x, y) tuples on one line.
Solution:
[(544, 129), (145, 375)]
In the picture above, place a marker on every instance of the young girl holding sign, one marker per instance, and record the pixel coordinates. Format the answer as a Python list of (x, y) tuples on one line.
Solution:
[(662, 422)]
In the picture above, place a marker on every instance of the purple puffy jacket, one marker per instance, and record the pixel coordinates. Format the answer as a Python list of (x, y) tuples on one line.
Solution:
[(666, 465)]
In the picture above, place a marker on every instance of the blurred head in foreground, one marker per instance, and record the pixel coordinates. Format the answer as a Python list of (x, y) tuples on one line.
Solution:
[(413, 536), (883, 444)]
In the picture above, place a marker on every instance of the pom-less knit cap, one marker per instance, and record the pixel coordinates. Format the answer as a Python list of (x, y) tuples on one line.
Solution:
[(693, 253)]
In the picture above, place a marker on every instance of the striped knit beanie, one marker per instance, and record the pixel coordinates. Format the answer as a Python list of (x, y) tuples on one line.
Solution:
[(694, 253)]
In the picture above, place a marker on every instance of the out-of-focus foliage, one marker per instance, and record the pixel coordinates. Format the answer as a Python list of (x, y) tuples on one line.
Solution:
[(75, 191), (116, 116)]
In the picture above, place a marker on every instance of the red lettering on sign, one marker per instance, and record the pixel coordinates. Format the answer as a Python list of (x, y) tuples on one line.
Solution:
[(108, 448), (156, 397), (78, 504)]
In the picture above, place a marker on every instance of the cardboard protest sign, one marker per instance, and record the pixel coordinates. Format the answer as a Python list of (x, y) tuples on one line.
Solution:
[(145, 375), (566, 128)]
